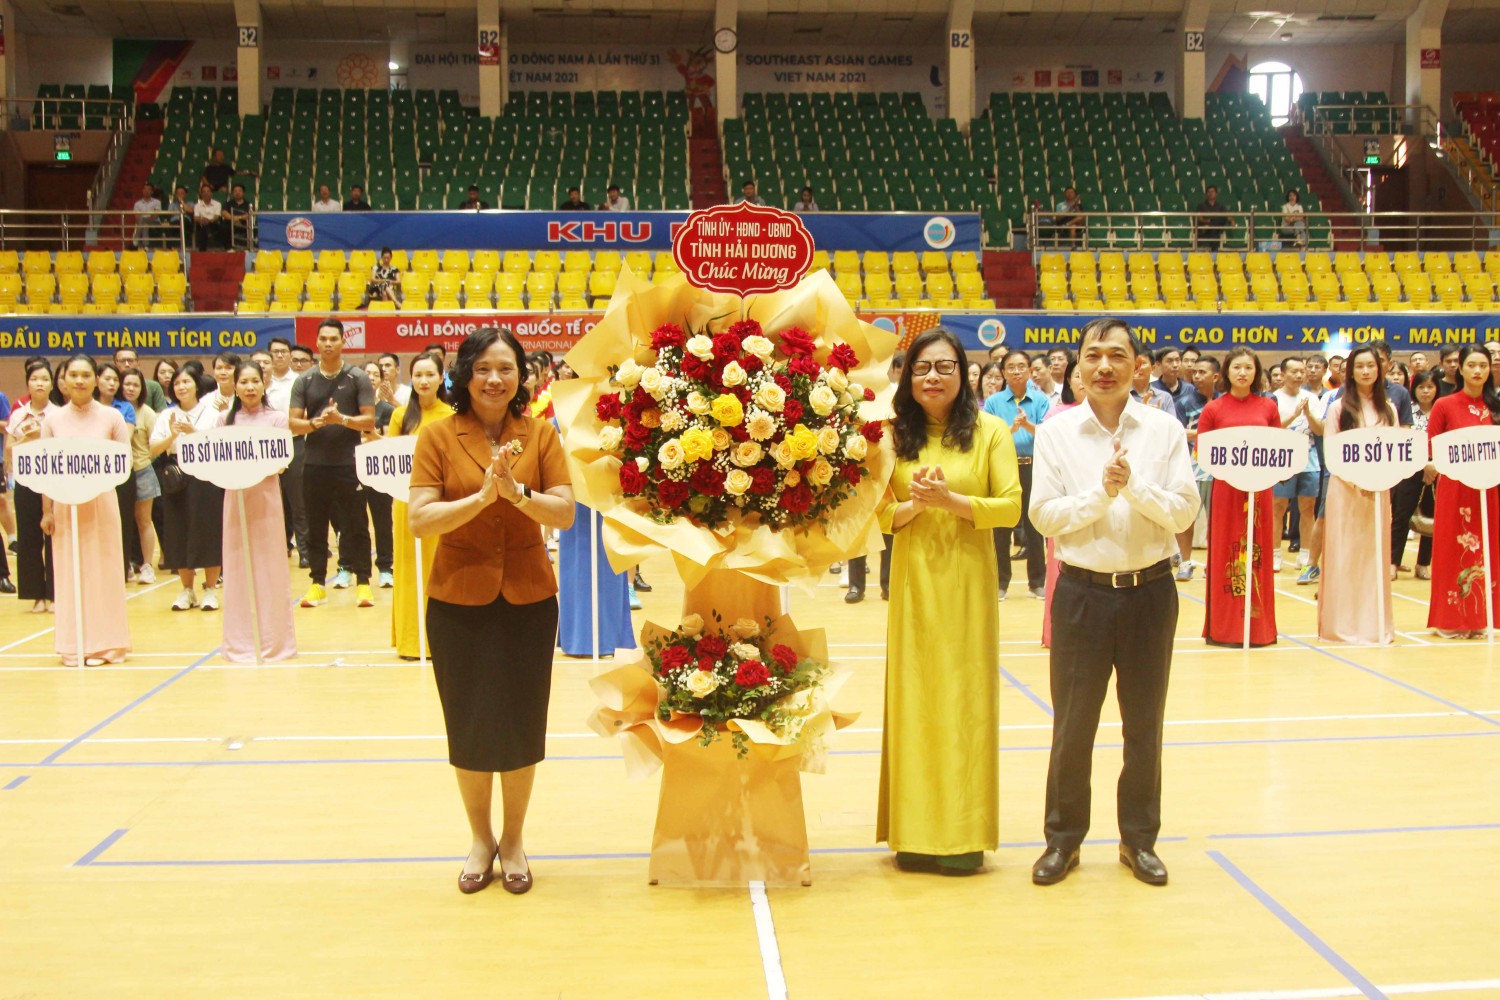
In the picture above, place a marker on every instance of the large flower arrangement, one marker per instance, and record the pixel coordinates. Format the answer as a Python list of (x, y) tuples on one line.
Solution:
[(725, 424)]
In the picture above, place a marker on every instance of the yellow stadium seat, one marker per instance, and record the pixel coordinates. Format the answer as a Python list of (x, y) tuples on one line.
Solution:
[(1057, 305), (267, 262), (1376, 262), (1144, 287), (11, 287), (1480, 286), (486, 261), (572, 284), (1258, 263), (1449, 288), (1052, 262), (100, 262), (1317, 262), (875, 262), (10, 262), (1437, 262), (255, 289), (1418, 288), (1090, 305), (516, 262), (510, 303), (970, 284), (639, 262), (425, 261), (964, 262), (1113, 287), (508, 284), (445, 284), (607, 260), (539, 286), (36, 262), (321, 307), (381, 306), (300, 262), (446, 303), (1170, 262), (414, 288), (320, 286), (820, 261), (39, 288), (1294, 287), (1234, 289), (1174, 289), (578, 260), (134, 262), (1286, 262), (1467, 262), (878, 285), (602, 284), (287, 287), (845, 260), (1356, 286), (456, 262), (1346, 261), (849, 283), (362, 262), (105, 289), (139, 288), (479, 288), (665, 263), (171, 289), (939, 285), (1200, 262), (351, 288), (166, 307), (1402, 262), (550, 261), (68, 262), (1082, 262), (574, 303), (1386, 286), (1054, 285), (934, 261), (909, 287), (1111, 262), (979, 303), (1263, 287), (1229, 264), (332, 262), (1325, 286), (1083, 283), (1140, 262), (399, 260), (1205, 287)]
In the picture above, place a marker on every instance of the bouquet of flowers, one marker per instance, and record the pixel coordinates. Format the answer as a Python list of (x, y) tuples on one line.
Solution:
[(731, 423), (737, 672)]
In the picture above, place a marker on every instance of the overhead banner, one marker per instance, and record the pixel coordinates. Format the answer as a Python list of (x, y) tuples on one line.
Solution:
[(888, 231), (185, 334)]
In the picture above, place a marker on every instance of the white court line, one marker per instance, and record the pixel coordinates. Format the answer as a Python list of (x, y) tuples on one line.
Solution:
[(1414, 600), (1400, 989), (1296, 597), (38, 635), (770, 951), (1414, 638)]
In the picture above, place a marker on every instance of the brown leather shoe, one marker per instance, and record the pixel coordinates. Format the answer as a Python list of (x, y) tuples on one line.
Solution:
[(472, 882), (516, 885)]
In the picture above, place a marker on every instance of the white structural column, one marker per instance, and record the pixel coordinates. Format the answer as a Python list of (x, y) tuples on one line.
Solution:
[(492, 70), (1192, 27), (961, 62), (250, 41), (726, 64), (1424, 54)]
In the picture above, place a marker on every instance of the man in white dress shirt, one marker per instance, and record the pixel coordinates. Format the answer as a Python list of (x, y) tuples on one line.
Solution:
[(1112, 486)]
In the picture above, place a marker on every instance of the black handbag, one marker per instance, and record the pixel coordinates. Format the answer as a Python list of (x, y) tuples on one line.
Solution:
[(173, 479)]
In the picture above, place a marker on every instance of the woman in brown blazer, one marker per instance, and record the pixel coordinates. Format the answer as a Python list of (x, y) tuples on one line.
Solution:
[(487, 481)]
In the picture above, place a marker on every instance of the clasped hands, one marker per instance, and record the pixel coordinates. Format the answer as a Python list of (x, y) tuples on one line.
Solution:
[(929, 488), (498, 481), (1116, 470), (330, 416)]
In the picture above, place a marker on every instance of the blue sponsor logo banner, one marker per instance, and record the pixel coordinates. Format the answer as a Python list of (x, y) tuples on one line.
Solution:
[(492, 230), (179, 335)]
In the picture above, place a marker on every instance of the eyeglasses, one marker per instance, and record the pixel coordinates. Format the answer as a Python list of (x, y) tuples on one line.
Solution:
[(921, 368)]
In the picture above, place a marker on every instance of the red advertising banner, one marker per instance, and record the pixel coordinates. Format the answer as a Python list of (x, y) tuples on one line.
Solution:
[(1432, 58), (743, 249)]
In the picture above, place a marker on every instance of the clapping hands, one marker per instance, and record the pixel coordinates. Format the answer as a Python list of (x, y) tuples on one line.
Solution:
[(1116, 470), (929, 488)]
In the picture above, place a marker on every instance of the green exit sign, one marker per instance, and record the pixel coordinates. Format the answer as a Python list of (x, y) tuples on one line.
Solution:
[(1372, 161), (63, 155)]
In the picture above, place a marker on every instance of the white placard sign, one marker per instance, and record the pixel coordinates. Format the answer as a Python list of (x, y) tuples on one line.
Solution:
[(1375, 458), (385, 465), (235, 458), (72, 470), (1470, 454), (1252, 458)]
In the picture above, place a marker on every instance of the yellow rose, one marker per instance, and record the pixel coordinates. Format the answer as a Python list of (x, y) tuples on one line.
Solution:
[(828, 441), (743, 650), (672, 421), (792, 479), (722, 440), (802, 442), (697, 402), (737, 482), (733, 375), (691, 626), (782, 455), (702, 683), (836, 379), (748, 453), (651, 418), (701, 347), (610, 438), (654, 382), (856, 448), (758, 346), (628, 374), (821, 474), (771, 397), (697, 444), (761, 425), (671, 454), (745, 628), (726, 409), (822, 399)]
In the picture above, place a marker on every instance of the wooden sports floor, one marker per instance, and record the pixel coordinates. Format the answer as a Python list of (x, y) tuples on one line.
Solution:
[(179, 827)]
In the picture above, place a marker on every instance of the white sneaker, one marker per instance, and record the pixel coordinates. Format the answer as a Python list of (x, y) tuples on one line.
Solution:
[(210, 599), (1276, 562), (1185, 570), (342, 580), (146, 576), (186, 600)]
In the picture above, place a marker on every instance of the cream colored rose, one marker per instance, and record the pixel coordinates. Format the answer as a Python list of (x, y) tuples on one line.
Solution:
[(733, 375), (722, 440), (737, 483), (702, 683), (610, 438), (836, 379), (781, 454), (760, 425), (701, 347), (671, 454), (698, 403), (747, 453), (828, 441), (856, 448), (629, 374), (654, 382), (642, 463), (758, 346), (822, 399), (745, 628), (771, 396), (691, 626), (792, 479), (744, 651), (821, 474), (672, 421), (856, 390)]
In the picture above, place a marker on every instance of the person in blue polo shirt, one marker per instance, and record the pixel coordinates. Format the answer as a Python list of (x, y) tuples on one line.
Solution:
[(1022, 406)]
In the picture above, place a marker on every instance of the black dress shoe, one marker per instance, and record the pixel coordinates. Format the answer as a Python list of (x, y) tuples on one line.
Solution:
[(1144, 864), (854, 596), (1053, 866), (885, 593), (6, 587), (302, 562), (640, 584)]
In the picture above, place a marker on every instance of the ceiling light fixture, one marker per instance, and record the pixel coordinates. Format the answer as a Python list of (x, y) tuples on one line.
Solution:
[(392, 66)]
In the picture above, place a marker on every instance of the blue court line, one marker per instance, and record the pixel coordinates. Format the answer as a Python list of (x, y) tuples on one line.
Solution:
[(1317, 944), (99, 849), (1376, 831), (134, 704), (1487, 720), (1035, 698), (17, 783)]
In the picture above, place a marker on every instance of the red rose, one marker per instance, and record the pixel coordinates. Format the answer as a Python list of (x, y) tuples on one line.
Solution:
[(752, 673), (639, 403), (675, 658), (708, 480), (792, 411), (843, 356), (752, 364), (797, 342), (851, 474), (784, 655), (713, 646), (738, 433), (803, 365), (669, 335), (726, 346), (762, 481), (608, 406), (797, 499), (636, 436), (784, 380), (673, 493), (873, 431), (869, 395), (746, 328), (705, 663), (693, 368), (632, 479)]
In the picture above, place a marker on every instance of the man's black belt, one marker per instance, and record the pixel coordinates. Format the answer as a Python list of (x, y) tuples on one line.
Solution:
[(1119, 581)]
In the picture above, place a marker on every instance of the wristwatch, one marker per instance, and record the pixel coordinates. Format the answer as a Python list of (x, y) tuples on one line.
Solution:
[(524, 498)]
